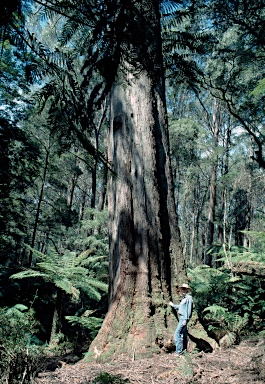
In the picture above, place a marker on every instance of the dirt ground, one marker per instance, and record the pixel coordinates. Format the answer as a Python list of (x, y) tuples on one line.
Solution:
[(244, 363)]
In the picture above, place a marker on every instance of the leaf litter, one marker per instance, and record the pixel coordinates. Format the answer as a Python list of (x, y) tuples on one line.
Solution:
[(241, 364)]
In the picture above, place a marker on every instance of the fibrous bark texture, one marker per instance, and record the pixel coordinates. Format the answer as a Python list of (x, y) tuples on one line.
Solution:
[(145, 251)]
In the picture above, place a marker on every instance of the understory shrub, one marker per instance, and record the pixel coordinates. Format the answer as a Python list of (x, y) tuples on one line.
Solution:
[(20, 354), (230, 299)]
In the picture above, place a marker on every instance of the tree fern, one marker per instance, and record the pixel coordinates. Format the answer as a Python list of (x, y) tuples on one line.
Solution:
[(219, 318), (66, 273), (215, 311), (236, 323), (228, 304), (86, 320)]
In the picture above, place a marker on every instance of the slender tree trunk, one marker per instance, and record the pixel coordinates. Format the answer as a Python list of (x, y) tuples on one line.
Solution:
[(103, 191), (221, 230), (36, 222), (197, 211), (83, 201), (70, 197), (192, 241), (145, 249), (97, 129), (211, 216), (249, 214), (94, 184), (57, 317), (212, 201)]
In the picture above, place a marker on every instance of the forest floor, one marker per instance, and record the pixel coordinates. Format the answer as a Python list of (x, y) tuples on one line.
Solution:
[(243, 363)]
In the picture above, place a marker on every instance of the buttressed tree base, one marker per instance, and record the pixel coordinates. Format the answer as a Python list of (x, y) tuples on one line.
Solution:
[(145, 250)]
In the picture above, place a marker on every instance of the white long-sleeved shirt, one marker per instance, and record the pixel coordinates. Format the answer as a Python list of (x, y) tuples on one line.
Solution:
[(185, 307)]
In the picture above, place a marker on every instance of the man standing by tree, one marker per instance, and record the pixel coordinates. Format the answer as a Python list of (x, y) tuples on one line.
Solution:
[(185, 312)]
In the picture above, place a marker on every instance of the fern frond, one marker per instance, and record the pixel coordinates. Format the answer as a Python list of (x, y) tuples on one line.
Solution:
[(169, 6), (18, 307), (97, 284), (48, 268), (88, 322), (28, 273), (236, 323), (82, 257), (75, 272), (40, 255), (67, 287), (91, 292), (216, 311), (88, 312), (93, 259)]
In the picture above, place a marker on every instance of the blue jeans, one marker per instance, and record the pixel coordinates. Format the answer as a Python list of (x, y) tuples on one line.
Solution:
[(181, 336)]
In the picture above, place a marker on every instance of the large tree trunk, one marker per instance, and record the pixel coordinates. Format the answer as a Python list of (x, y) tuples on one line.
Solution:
[(145, 250)]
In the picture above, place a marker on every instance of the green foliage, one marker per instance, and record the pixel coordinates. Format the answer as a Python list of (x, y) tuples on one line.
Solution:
[(18, 154), (184, 131), (219, 319), (249, 261), (106, 378), (231, 301), (76, 73), (257, 252), (86, 321), (17, 323), (20, 358), (66, 272), (207, 284), (259, 89), (94, 223)]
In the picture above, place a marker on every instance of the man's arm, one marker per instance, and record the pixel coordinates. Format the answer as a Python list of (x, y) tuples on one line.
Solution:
[(173, 305)]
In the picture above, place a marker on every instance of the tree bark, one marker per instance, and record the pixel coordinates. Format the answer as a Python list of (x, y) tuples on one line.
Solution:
[(38, 210), (145, 249), (103, 191), (212, 202), (57, 317), (249, 214)]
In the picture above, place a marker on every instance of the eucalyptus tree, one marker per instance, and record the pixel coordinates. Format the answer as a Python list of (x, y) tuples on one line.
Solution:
[(120, 42), (235, 66), (197, 154), (228, 68), (231, 73), (121, 60), (127, 64), (145, 252), (190, 182)]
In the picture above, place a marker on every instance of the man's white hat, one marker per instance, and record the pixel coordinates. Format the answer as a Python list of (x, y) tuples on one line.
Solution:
[(184, 285)]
